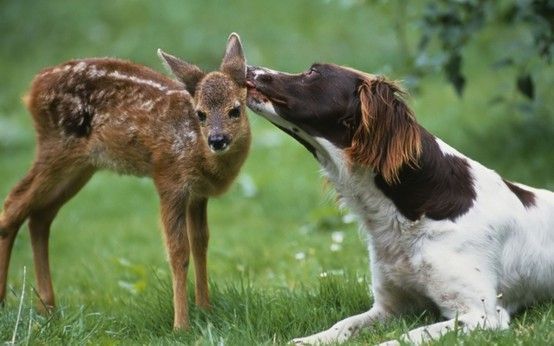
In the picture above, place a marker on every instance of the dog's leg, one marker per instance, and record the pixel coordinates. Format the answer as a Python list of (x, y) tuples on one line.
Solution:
[(464, 324), (465, 295), (388, 301), (345, 329), (197, 227)]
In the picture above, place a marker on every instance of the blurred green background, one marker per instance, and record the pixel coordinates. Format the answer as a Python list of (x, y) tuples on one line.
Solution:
[(278, 227)]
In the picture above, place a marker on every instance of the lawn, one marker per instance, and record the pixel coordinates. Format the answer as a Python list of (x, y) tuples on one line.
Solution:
[(283, 260)]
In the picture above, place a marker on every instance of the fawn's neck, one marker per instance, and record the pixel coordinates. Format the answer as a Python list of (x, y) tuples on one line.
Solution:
[(219, 170)]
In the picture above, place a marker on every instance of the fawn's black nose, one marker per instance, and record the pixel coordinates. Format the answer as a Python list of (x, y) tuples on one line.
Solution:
[(218, 141)]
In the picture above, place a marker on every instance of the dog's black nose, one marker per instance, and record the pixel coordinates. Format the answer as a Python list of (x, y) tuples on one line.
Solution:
[(255, 73), (264, 78), (218, 141)]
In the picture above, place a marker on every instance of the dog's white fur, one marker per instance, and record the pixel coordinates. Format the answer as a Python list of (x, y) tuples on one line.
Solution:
[(488, 263)]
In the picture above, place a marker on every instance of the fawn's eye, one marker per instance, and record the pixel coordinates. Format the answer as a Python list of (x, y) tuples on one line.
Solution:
[(235, 112), (201, 116)]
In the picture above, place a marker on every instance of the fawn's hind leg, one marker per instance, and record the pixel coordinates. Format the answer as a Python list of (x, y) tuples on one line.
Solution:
[(50, 182), (39, 227), (14, 213), (198, 233)]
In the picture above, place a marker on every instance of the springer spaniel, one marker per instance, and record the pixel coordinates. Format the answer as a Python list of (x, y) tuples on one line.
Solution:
[(445, 233)]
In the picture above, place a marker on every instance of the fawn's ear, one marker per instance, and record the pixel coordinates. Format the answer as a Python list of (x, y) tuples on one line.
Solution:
[(188, 74), (233, 62), (388, 136)]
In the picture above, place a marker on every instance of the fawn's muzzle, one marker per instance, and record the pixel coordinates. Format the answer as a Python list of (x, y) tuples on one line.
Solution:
[(218, 142)]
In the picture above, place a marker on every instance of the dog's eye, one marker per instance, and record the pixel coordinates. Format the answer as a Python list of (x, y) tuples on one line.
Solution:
[(201, 116), (235, 112)]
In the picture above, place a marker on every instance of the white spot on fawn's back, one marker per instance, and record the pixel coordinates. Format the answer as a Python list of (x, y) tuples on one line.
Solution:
[(120, 76), (79, 67), (93, 72)]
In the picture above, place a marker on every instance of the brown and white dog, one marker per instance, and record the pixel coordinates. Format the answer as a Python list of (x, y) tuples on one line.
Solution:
[(445, 232)]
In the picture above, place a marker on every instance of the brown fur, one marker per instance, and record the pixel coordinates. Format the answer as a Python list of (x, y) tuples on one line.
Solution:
[(387, 136), (111, 114)]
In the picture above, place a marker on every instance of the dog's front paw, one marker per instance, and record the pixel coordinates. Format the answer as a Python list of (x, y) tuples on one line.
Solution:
[(303, 341), (315, 339), (339, 333)]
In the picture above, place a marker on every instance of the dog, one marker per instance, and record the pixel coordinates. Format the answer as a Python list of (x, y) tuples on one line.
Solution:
[(446, 233)]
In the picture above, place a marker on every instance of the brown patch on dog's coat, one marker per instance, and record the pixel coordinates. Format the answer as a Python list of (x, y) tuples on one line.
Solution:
[(527, 198)]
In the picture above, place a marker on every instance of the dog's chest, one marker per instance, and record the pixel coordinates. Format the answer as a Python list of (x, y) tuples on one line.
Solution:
[(392, 239)]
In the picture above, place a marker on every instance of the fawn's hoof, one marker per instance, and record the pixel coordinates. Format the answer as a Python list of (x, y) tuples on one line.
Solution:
[(204, 306), (45, 309), (182, 327)]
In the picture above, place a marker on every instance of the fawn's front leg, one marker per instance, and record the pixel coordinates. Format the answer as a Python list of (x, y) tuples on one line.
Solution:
[(198, 233), (173, 208)]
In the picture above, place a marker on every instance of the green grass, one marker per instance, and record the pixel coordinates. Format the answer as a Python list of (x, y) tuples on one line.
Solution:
[(271, 234)]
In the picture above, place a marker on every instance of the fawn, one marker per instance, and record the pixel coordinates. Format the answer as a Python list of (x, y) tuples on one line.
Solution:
[(191, 136)]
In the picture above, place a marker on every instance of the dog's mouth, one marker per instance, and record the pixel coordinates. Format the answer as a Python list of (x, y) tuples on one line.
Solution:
[(254, 94), (263, 104)]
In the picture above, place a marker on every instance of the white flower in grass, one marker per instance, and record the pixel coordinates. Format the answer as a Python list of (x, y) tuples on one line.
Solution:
[(337, 237), (335, 247), (349, 218), (323, 274), (300, 256)]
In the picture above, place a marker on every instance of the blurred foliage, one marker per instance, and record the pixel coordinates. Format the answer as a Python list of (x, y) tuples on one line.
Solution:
[(446, 27), (454, 23)]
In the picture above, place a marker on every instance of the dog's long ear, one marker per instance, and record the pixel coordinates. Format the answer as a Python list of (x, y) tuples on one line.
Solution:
[(233, 62), (388, 136), (185, 72)]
